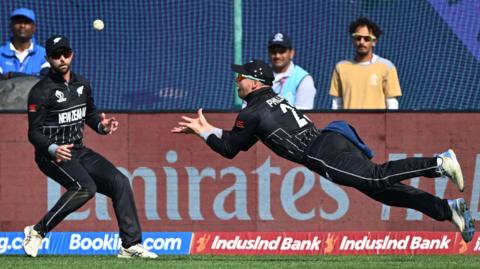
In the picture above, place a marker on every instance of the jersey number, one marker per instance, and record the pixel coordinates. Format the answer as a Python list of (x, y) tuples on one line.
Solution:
[(300, 121)]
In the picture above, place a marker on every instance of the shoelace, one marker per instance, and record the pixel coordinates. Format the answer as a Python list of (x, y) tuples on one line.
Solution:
[(28, 238)]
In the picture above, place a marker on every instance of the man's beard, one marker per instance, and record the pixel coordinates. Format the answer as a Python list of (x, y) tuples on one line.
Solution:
[(23, 39), (362, 53), (60, 71)]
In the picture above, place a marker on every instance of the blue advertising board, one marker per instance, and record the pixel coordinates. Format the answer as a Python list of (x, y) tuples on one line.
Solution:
[(96, 243)]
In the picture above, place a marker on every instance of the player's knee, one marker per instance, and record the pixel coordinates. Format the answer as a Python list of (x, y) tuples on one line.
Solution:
[(88, 190)]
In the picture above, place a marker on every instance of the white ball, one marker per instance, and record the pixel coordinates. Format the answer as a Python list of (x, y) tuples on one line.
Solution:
[(98, 25)]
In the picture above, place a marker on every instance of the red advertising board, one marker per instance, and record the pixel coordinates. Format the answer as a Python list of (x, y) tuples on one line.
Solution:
[(332, 243), (181, 185)]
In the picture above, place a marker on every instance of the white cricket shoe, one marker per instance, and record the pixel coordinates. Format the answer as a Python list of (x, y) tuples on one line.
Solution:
[(450, 167), (462, 218), (32, 241), (136, 251)]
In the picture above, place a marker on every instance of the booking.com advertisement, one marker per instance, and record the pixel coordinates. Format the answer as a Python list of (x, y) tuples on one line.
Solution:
[(97, 243)]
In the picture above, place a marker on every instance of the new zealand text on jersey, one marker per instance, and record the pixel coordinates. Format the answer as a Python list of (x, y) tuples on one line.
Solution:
[(71, 116)]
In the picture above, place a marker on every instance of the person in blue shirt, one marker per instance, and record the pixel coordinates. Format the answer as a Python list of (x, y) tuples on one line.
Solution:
[(291, 81), (21, 55)]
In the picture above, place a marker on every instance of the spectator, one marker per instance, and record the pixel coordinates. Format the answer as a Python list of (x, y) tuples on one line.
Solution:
[(291, 81), (368, 81), (22, 55)]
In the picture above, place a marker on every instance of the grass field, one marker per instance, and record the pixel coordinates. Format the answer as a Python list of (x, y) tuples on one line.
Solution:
[(243, 262)]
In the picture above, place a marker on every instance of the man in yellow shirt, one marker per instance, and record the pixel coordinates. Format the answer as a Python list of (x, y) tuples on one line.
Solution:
[(368, 81)]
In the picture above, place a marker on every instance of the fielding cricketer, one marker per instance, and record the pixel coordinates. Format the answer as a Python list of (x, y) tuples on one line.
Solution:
[(59, 105), (336, 152)]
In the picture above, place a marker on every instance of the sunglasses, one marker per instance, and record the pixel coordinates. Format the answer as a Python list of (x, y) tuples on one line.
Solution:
[(241, 77), (367, 38), (58, 54)]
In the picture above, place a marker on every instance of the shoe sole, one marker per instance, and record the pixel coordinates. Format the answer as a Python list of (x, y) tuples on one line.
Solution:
[(121, 256), (134, 257), (124, 257), (469, 227), (457, 176), (26, 231)]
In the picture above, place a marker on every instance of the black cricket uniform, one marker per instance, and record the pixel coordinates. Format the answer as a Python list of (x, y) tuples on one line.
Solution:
[(57, 113), (290, 134)]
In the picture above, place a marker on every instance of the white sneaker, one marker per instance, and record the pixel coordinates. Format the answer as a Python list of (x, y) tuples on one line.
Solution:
[(451, 168), (32, 241), (136, 251), (462, 218)]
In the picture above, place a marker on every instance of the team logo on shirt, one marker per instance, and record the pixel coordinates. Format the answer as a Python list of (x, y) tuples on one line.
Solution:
[(60, 96), (240, 124), (32, 108), (374, 80), (80, 90)]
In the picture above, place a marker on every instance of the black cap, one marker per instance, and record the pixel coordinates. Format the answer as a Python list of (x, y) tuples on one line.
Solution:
[(280, 39), (256, 70), (56, 43)]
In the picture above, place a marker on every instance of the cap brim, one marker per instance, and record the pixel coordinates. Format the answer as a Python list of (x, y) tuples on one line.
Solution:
[(24, 16), (62, 48), (279, 45), (238, 69)]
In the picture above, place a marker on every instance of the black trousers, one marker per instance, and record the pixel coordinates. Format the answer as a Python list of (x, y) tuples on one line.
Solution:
[(339, 160), (84, 175)]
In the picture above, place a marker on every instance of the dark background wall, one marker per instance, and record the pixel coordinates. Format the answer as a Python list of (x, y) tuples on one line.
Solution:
[(169, 54)]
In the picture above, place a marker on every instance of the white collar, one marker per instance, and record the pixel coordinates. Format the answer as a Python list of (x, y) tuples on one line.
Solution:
[(373, 60), (12, 47), (285, 74), (21, 55)]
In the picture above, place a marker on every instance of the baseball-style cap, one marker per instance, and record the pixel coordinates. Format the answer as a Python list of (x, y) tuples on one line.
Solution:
[(256, 70), (280, 39), (55, 43), (24, 12)]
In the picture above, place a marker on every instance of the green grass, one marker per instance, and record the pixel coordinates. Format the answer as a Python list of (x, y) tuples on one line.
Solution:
[(243, 262)]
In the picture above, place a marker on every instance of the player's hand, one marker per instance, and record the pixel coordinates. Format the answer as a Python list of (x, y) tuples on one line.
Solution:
[(110, 125), (63, 153), (182, 130), (193, 125)]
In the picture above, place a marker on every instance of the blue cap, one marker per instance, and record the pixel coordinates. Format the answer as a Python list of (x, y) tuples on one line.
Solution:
[(25, 12)]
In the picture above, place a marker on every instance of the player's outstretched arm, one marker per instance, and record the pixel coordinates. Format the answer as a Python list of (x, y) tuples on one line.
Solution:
[(196, 125)]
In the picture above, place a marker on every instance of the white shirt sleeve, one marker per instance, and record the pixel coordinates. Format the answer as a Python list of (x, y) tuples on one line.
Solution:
[(217, 132), (305, 96), (45, 65), (1, 70), (337, 102), (392, 103)]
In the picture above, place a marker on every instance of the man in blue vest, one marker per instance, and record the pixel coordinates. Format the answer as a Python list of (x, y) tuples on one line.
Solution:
[(291, 81), (21, 55)]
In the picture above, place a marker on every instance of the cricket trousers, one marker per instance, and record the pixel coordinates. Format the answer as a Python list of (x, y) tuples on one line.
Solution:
[(84, 175), (336, 158)]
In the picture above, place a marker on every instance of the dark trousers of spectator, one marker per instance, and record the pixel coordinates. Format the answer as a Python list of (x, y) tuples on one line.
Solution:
[(336, 158), (84, 175)]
